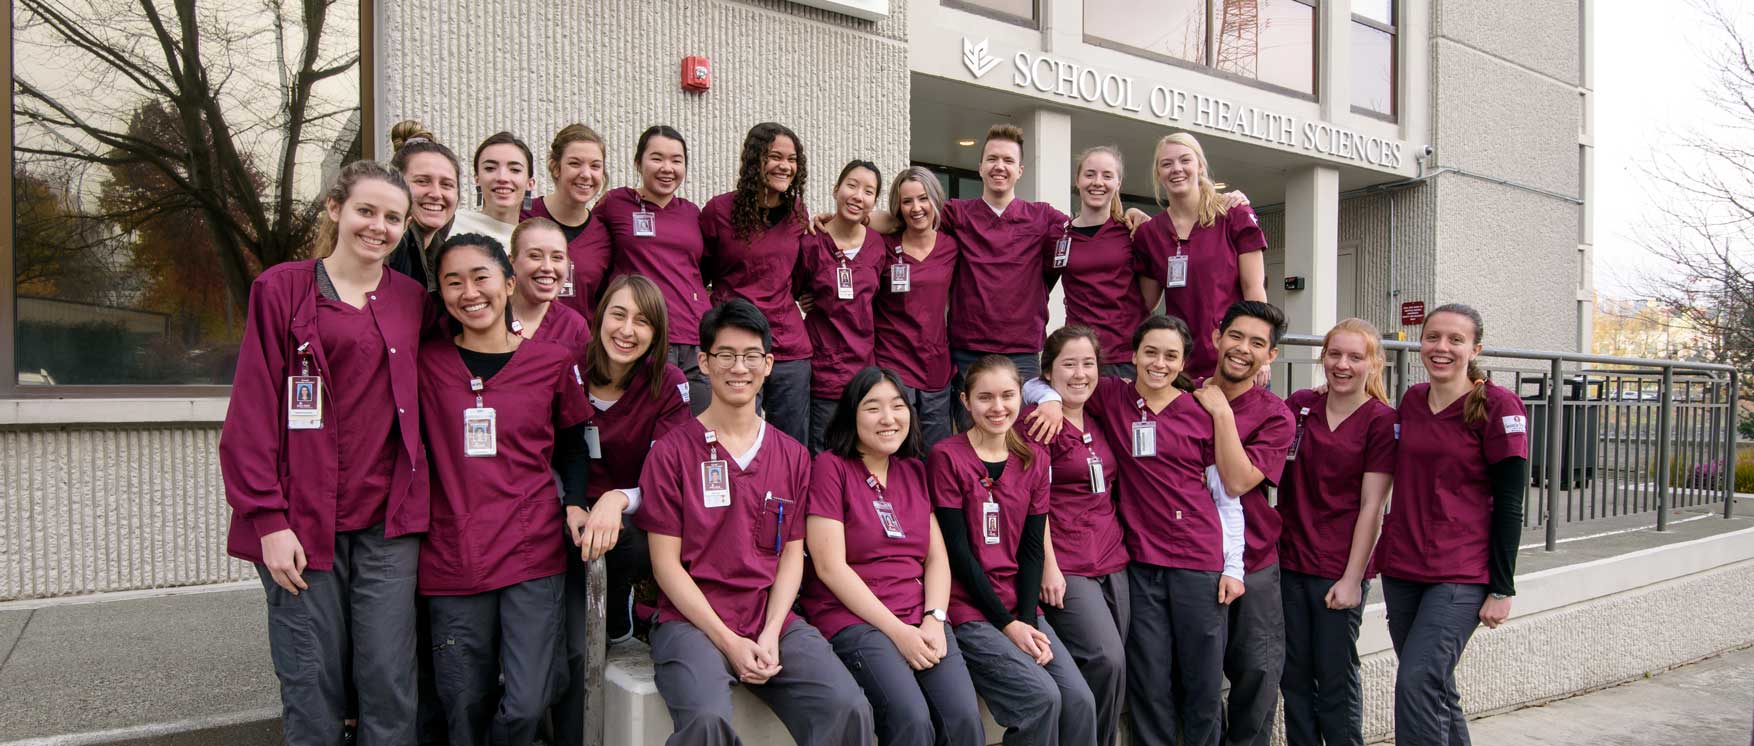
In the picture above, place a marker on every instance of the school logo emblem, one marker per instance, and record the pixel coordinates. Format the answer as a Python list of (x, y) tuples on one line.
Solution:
[(975, 58), (1515, 423)]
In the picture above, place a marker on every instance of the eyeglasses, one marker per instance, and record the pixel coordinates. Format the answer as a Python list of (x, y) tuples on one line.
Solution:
[(727, 360)]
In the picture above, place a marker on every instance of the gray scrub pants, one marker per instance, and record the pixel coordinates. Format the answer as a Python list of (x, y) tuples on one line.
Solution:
[(1429, 624), (1175, 656), (1324, 695), (932, 412), (1093, 624), (913, 708), (785, 398), (1038, 705), (813, 694), (361, 609), (1254, 659), (700, 393), (1028, 366), (514, 632)]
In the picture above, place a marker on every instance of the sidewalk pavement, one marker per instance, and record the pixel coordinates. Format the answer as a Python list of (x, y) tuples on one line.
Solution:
[(1709, 703)]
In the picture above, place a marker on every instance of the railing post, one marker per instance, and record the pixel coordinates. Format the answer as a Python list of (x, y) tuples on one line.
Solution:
[(1555, 452), (1665, 418), (596, 651), (1401, 368), (1732, 421)]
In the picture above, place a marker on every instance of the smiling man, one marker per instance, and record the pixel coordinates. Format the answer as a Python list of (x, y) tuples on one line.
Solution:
[(1251, 431)]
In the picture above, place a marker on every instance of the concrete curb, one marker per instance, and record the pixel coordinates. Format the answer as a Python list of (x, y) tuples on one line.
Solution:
[(251, 726)]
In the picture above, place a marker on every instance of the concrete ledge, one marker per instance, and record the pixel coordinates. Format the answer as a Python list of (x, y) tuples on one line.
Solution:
[(180, 410)]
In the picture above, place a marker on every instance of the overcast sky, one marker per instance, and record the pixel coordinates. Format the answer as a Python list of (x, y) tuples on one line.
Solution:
[(1652, 86)]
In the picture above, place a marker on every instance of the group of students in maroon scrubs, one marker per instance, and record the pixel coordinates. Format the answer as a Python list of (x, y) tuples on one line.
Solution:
[(1047, 522)]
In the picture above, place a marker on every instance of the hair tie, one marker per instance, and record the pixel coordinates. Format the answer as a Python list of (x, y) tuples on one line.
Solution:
[(415, 139)]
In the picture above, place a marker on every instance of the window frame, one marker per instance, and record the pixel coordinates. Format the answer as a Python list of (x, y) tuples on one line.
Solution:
[(968, 6), (9, 386), (1393, 30), (1209, 65)]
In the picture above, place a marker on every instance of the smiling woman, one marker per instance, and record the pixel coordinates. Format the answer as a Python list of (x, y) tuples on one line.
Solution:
[(133, 245)]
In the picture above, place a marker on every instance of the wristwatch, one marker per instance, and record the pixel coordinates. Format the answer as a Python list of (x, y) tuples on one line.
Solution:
[(938, 614), (1500, 596)]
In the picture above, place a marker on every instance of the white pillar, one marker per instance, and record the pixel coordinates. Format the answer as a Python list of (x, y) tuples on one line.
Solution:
[(1312, 252), (1334, 66), (1047, 177)]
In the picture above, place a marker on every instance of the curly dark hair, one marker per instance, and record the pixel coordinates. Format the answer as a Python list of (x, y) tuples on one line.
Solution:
[(748, 217)]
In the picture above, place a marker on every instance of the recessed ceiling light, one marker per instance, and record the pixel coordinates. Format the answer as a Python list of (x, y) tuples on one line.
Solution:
[(965, 142)]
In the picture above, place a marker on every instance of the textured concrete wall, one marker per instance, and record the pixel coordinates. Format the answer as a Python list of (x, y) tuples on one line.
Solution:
[(1586, 646), (84, 510), (1513, 255), (1498, 119), (840, 83), (1541, 35)]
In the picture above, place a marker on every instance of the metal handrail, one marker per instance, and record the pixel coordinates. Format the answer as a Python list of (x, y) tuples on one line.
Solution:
[(1698, 416)]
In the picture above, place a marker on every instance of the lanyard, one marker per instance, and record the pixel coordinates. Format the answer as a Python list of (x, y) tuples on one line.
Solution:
[(304, 358), (479, 387), (871, 479), (1297, 437), (712, 440)]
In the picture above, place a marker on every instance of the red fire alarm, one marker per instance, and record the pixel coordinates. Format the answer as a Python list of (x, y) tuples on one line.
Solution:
[(697, 73)]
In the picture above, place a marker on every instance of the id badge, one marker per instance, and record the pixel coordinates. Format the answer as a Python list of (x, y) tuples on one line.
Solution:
[(898, 279), (990, 522), (1297, 437), (304, 403), (715, 483), (1178, 272), (886, 515), (1062, 252), (1098, 484), (644, 225), (1144, 439), (592, 442), (566, 286), (843, 283), (480, 436)]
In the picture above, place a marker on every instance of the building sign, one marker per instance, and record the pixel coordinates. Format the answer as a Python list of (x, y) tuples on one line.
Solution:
[(1413, 313), (1094, 87)]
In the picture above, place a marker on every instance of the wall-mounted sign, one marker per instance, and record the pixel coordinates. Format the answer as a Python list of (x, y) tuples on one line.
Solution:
[(1413, 313), (1095, 87)]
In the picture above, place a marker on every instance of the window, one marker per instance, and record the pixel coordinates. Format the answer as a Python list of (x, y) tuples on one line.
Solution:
[(1373, 57), (958, 183), (145, 199), (1015, 11), (1168, 28), (1270, 41)]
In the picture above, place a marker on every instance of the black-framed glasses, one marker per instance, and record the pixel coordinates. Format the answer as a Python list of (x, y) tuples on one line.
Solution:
[(728, 360)]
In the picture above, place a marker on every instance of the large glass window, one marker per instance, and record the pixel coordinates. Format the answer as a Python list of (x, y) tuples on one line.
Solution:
[(1272, 41), (1373, 57), (1022, 11), (163, 155), (1171, 28)]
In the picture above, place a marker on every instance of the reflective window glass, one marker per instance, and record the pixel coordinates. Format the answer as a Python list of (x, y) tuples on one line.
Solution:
[(1373, 69), (1172, 28)]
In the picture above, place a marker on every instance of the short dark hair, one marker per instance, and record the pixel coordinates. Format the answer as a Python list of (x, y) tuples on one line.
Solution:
[(487, 244), (1256, 309), (736, 313), (842, 434), (659, 130)]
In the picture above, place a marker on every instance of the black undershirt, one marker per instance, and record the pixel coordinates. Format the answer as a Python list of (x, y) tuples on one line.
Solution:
[(1507, 477), (777, 213), (1087, 231), (572, 231), (571, 456)]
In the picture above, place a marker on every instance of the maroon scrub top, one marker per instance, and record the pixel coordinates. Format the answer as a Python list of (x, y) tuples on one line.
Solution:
[(1102, 290), (1322, 490), (496, 519), (365, 444), (277, 478), (670, 258), (759, 269), (841, 331), (1439, 523), (590, 262), (1163, 501), (1213, 275), (1265, 429), (999, 301), (894, 568), (728, 550), (565, 327), (627, 430), (957, 473), (1086, 531), (913, 338)]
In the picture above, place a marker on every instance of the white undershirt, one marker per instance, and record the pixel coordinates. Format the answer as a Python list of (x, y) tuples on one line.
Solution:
[(748, 457)]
